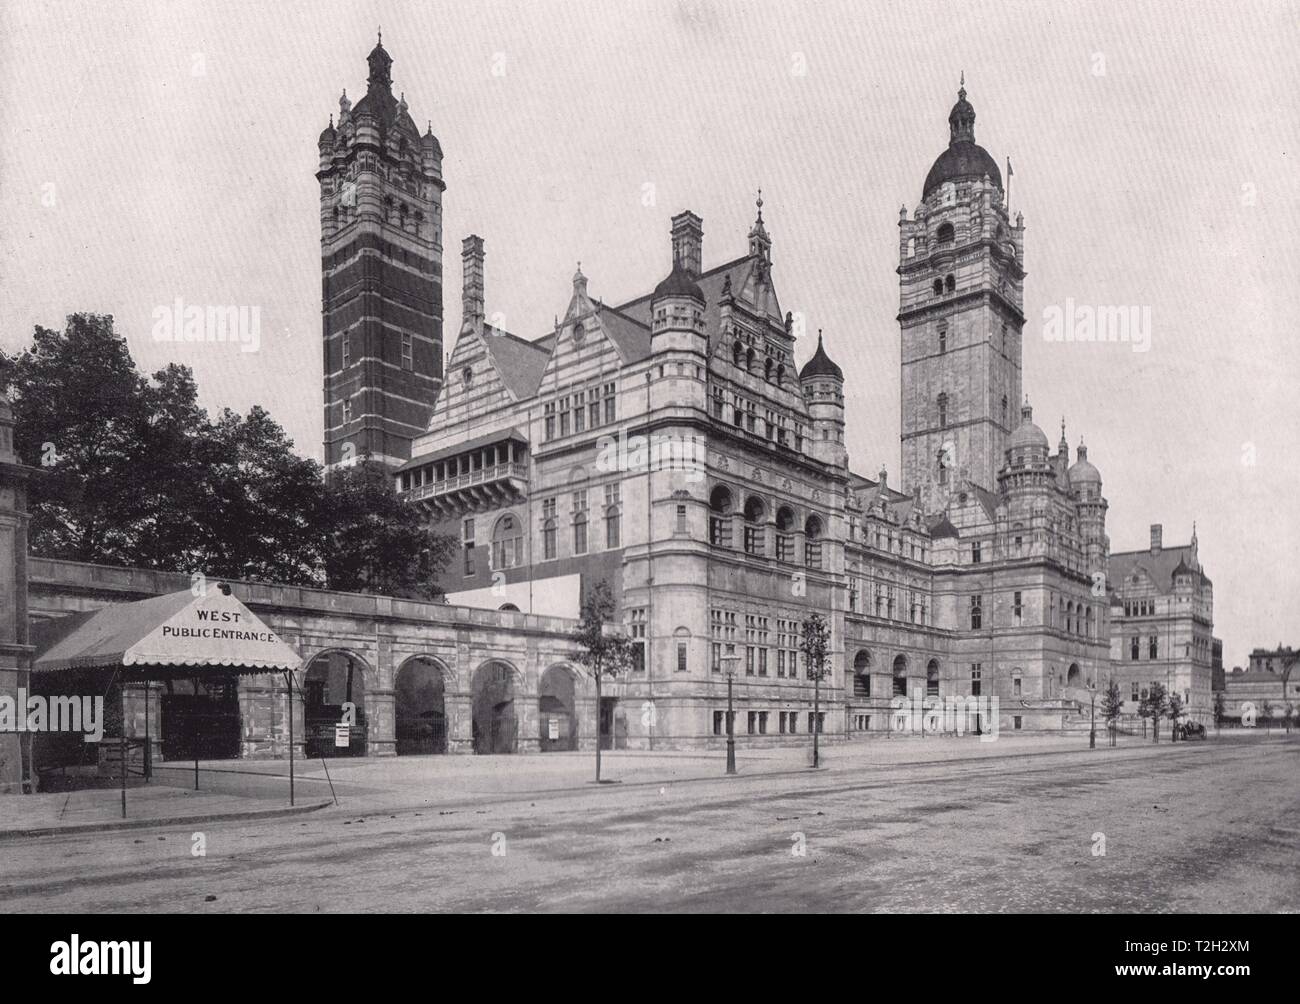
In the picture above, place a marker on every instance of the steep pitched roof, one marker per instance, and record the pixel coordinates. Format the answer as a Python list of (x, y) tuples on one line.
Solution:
[(630, 336), (518, 361), (1160, 567), (710, 283)]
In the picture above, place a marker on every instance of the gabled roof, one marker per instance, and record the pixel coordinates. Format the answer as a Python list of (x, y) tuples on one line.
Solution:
[(630, 336), (518, 362), (943, 528), (1160, 567)]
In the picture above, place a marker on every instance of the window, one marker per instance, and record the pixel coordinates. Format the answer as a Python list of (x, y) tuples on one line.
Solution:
[(580, 533), (593, 407), (938, 287), (762, 723), (945, 233), (1153, 647), (715, 641), (1016, 719), (613, 522), (943, 411), (1015, 687), (753, 722), (636, 632), (681, 519), (548, 540), (1017, 608), (719, 722), (467, 538), (976, 613), (681, 657), (610, 407), (507, 543), (408, 353), (950, 283), (717, 402), (1134, 692), (549, 412), (976, 678), (1134, 644), (347, 351), (347, 412), (975, 552), (564, 416), (579, 412)]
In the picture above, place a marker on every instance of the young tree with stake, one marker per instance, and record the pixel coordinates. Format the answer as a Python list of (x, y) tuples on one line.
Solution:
[(815, 645), (603, 653), (1112, 706)]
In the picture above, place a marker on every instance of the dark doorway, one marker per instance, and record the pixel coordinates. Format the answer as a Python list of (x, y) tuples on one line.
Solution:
[(557, 711), (334, 693), (494, 725), (419, 708), (202, 725), (613, 724)]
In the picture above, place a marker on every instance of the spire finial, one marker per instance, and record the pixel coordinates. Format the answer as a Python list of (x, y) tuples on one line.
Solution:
[(759, 202), (961, 88), (381, 34)]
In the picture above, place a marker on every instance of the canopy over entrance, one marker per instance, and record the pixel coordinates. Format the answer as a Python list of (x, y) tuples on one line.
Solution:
[(178, 634)]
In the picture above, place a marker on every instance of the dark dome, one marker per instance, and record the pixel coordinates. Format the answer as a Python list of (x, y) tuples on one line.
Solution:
[(327, 134), (964, 160), (680, 282), (820, 365)]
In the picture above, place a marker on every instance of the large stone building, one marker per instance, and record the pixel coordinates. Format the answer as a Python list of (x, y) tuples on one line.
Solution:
[(670, 444), (1162, 625), (1267, 691)]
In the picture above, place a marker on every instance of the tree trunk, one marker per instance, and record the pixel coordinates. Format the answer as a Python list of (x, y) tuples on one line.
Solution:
[(598, 713), (817, 683)]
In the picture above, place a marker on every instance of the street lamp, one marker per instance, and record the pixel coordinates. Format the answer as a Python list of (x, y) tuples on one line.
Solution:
[(729, 665), (1092, 716)]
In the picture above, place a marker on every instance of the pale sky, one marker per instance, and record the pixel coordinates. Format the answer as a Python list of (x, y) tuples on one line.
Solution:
[(152, 151)]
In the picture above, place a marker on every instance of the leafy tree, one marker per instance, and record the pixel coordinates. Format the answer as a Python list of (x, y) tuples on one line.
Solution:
[(376, 542), (1112, 706), (1173, 711), (1220, 710), (604, 653), (815, 645), (1153, 707)]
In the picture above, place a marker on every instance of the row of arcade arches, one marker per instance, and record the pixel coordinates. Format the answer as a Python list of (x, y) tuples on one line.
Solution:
[(333, 691)]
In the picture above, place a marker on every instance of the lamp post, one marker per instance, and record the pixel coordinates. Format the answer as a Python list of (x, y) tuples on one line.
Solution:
[(1092, 716), (729, 665)]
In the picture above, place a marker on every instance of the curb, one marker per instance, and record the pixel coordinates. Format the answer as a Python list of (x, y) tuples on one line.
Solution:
[(141, 824)]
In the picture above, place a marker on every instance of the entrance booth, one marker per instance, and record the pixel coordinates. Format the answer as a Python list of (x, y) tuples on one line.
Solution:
[(187, 649)]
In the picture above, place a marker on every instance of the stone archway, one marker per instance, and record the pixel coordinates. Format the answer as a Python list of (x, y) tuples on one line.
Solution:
[(862, 673), (495, 724), (420, 707), (557, 710), (334, 694)]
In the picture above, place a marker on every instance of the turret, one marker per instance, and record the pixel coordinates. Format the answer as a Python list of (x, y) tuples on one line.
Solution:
[(677, 304), (822, 383)]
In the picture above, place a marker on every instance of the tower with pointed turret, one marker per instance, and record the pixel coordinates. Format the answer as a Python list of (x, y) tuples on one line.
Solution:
[(381, 262), (961, 312)]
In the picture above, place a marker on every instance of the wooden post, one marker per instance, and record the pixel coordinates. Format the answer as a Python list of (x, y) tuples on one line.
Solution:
[(288, 680)]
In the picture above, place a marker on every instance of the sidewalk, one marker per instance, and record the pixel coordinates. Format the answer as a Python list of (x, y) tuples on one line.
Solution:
[(147, 805), (252, 789)]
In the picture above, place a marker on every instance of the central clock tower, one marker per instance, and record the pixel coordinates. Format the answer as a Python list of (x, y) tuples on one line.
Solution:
[(381, 262)]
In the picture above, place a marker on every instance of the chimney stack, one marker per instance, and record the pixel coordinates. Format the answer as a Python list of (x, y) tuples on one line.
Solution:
[(471, 294), (688, 242), (1156, 532)]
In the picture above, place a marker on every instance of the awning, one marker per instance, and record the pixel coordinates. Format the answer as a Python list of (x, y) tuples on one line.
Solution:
[(214, 630)]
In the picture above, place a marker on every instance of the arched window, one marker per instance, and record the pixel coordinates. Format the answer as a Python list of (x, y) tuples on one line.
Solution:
[(900, 676), (950, 284), (812, 547), (767, 369), (785, 534), (862, 673), (507, 542), (945, 233), (721, 505), (780, 373), (749, 360), (932, 679), (738, 353), (755, 513), (938, 287)]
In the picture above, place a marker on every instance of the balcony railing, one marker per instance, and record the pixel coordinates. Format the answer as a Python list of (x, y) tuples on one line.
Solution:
[(484, 475)]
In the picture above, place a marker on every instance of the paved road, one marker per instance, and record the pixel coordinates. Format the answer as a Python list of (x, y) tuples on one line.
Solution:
[(1200, 826)]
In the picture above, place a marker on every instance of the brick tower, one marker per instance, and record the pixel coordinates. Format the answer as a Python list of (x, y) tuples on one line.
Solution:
[(381, 262)]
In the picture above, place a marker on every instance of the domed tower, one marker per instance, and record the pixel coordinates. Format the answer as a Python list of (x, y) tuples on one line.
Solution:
[(381, 258), (1028, 467), (1085, 489), (822, 383), (678, 340), (961, 312)]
